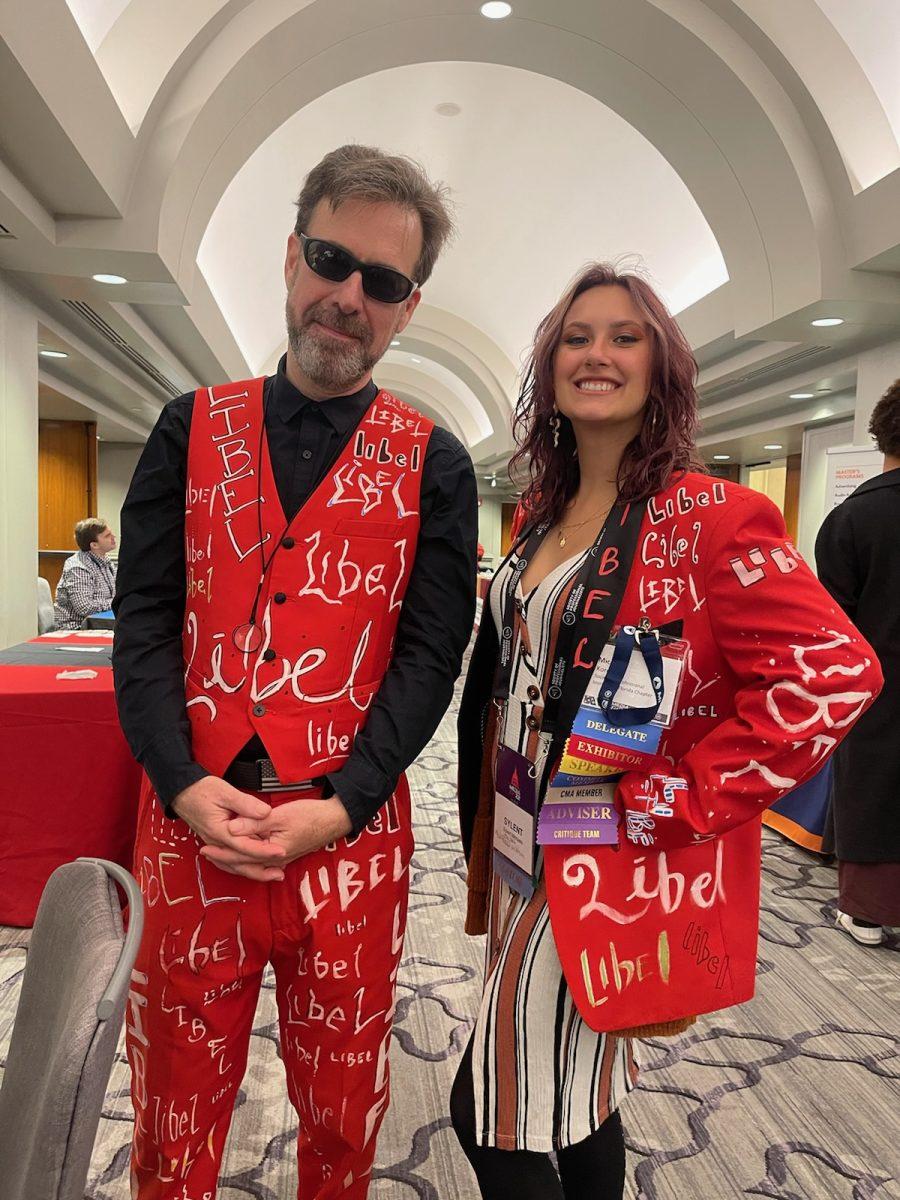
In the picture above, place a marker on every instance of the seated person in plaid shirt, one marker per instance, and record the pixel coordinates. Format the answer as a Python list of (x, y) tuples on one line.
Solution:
[(88, 580)]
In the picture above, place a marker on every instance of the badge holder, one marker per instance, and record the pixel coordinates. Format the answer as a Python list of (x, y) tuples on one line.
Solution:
[(515, 809), (630, 699)]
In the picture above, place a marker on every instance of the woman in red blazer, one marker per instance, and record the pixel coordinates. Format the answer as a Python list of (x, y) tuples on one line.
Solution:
[(624, 537)]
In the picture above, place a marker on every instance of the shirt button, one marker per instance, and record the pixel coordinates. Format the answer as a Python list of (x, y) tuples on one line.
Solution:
[(533, 723), (259, 710), (279, 597), (269, 655), (307, 454), (533, 693), (288, 543)]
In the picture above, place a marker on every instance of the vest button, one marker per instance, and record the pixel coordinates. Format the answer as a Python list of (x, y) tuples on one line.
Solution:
[(288, 543), (259, 710), (533, 693), (307, 454), (279, 597), (269, 655), (533, 723)]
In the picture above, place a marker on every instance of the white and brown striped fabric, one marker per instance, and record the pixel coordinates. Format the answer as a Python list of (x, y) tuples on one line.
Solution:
[(543, 1079)]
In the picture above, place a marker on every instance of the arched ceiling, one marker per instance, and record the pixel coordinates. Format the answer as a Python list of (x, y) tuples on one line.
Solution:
[(747, 140), (526, 222)]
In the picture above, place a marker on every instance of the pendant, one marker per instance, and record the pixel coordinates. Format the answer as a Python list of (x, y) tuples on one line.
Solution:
[(562, 542)]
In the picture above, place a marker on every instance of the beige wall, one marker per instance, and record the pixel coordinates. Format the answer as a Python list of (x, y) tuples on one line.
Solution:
[(115, 468), (489, 513), (18, 467)]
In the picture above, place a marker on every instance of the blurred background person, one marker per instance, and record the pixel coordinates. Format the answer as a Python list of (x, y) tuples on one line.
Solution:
[(88, 581), (858, 560)]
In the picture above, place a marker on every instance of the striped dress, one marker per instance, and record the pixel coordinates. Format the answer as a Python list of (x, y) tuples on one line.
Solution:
[(543, 1079)]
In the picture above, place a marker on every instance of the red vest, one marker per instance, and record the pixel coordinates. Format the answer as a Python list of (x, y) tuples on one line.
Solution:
[(330, 598)]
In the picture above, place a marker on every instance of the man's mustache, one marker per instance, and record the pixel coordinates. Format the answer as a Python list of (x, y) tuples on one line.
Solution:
[(335, 319)]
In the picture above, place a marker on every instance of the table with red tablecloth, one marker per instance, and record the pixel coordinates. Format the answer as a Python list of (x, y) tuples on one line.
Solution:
[(69, 784)]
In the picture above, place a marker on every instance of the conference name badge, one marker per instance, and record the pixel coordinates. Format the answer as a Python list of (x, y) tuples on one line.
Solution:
[(515, 806), (635, 689), (578, 812), (629, 700)]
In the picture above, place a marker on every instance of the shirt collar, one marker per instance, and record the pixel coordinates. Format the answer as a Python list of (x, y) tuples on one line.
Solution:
[(342, 412), (884, 479)]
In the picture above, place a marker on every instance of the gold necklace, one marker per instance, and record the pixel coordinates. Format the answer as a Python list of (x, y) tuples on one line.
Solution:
[(578, 524)]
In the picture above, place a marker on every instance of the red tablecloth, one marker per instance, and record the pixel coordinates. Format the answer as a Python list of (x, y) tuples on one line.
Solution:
[(69, 785)]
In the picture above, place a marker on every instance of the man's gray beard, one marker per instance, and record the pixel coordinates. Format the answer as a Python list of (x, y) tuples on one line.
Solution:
[(336, 368)]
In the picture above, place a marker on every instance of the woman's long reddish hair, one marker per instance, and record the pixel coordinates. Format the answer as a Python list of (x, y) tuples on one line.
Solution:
[(665, 444)]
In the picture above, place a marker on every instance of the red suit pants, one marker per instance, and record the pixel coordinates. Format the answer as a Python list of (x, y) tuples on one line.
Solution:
[(333, 932)]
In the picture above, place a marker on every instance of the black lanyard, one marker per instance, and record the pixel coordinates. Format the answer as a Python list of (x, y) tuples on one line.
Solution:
[(648, 644), (591, 608)]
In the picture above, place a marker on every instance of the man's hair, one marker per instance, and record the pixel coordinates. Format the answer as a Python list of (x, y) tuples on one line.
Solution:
[(88, 531), (366, 173), (884, 425)]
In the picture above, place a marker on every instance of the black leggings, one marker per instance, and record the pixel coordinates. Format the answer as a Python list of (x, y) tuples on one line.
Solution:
[(590, 1170)]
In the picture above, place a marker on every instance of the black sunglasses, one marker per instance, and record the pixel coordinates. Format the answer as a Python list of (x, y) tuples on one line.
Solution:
[(337, 264)]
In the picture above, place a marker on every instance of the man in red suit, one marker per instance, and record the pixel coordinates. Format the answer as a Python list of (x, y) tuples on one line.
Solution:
[(295, 595)]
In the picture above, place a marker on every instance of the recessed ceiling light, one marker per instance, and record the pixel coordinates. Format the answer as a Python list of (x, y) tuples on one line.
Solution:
[(395, 342), (53, 354), (721, 457), (447, 109), (802, 395), (414, 359), (496, 10), (823, 322), (774, 446), (109, 278)]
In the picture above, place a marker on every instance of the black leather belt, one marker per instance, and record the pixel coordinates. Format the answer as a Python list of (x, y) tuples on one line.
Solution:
[(259, 775)]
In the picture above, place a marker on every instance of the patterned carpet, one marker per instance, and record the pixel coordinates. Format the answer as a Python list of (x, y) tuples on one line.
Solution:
[(794, 1096)]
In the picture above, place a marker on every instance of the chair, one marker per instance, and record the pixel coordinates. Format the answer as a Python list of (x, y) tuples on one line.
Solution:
[(45, 613), (67, 1026)]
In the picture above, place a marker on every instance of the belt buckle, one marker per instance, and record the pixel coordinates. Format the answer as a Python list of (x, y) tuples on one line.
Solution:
[(269, 781)]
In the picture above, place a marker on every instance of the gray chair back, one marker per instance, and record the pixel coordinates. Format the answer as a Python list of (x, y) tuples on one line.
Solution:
[(45, 613), (67, 1026)]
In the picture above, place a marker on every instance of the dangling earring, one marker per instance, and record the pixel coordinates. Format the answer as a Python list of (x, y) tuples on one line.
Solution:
[(650, 425), (554, 425)]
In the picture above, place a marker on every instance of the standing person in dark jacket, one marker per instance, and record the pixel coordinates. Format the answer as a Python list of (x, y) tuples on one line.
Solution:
[(858, 560), (295, 595)]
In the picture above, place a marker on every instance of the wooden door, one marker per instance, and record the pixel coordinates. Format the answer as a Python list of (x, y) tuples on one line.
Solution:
[(67, 490), (507, 512)]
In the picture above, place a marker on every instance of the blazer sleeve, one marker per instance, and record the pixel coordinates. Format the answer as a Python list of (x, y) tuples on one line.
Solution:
[(803, 674)]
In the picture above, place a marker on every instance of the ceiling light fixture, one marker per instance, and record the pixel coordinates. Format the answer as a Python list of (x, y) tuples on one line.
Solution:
[(53, 354), (395, 342), (802, 395), (721, 457), (774, 446), (493, 483), (824, 322), (116, 279), (414, 359), (496, 10)]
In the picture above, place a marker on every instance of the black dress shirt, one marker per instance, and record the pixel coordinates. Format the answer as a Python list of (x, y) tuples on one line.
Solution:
[(305, 438)]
